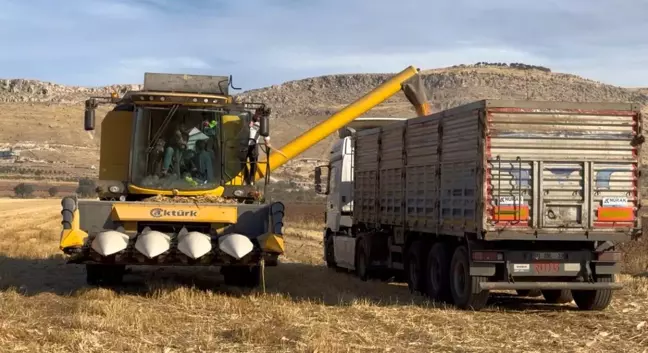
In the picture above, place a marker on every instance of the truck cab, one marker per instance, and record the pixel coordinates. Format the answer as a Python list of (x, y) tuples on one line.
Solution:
[(335, 180)]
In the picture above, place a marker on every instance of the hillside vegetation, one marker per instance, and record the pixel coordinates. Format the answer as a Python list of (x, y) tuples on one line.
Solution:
[(51, 115)]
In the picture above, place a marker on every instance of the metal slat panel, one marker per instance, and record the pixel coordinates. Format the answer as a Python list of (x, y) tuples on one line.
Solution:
[(583, 156), (391, 164), (459, 173), (366, 176), (421, 187)]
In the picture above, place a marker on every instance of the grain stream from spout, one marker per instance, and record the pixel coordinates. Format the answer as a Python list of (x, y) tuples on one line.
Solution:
[(45, 306)]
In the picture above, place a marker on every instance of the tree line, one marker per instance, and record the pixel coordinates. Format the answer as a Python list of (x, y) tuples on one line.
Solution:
[(519, 66), (86, 188)]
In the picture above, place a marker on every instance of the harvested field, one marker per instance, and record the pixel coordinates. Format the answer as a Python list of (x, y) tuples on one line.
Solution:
[(46, 306)]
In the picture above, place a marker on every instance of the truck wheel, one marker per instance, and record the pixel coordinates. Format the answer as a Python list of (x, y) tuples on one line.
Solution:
[(531, 293), (361, 261), (594, 299), (557, 296), (329, 252), (108, 275), (464, 287), (414, 268), (438, 273)]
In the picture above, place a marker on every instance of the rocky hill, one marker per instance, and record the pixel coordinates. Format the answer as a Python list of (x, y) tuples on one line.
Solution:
[(47, 113)]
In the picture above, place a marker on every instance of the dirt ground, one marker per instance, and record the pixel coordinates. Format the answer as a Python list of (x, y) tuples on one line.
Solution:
[(45, 306)]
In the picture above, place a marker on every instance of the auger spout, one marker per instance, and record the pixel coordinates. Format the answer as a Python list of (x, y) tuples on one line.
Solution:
[(338, 120)]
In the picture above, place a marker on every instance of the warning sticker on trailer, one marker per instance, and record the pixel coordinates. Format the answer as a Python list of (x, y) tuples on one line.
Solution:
[(510, 200), (521, 267), (615, 201)]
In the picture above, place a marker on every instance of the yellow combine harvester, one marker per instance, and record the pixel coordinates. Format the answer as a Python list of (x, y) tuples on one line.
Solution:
[(171, 187)]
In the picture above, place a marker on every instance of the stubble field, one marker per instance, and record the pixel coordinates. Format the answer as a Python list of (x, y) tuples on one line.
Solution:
[(45, 306)]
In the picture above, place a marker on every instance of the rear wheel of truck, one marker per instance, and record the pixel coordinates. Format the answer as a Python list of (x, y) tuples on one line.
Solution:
[(242, 276), (561, 296), (465, 289), (329, 252), (414, 268), (104, 275), (361, 261), (594, 299), (531, 293), (438, 273)]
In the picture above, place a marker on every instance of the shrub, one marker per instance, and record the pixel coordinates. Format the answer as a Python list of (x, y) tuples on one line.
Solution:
[(86, 187), (53, 191), (24, 190)]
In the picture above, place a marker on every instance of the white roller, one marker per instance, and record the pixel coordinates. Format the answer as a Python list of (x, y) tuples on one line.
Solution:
[(152, 243), (235, 245), (194, 244), (109, 242)]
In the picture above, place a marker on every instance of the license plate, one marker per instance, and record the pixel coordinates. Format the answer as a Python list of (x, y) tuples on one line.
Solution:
[(546, 267), (549, 256)]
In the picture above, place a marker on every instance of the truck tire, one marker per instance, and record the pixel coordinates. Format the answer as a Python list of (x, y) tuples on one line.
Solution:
[(465, 290), (438, 274), (531, 293), (104, 275), (329, 252), (414, 268), (361, 261), (561, 296), (594, 299)]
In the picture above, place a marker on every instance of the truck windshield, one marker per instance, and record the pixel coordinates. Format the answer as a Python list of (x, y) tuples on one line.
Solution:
[(187, 149)]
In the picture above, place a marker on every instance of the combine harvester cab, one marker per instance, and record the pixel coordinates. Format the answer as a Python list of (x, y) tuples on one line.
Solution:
[(171, 180)]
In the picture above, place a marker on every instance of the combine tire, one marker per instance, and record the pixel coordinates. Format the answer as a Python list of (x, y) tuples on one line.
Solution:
[(557, 296), (464, 287), (531, 293), (594, 299), (104, 275), (438, 274), (242, 276), (414, 268)]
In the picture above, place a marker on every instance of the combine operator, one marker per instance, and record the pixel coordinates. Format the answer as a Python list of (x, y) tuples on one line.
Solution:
[(252, 154)]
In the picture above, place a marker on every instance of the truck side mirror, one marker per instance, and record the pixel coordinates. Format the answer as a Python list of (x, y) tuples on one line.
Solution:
[(89, 119), (321, 187), (264, 126)]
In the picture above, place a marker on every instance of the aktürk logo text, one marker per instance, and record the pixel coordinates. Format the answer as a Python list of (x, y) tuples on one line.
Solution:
[(160, 212)]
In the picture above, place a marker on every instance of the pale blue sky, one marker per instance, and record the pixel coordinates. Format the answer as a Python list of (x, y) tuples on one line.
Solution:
[(264, 42)]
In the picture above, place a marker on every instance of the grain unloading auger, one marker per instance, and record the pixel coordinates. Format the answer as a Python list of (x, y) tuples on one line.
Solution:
[(171, 187)]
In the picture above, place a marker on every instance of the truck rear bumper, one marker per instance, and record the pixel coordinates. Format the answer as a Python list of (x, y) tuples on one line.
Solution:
[(549, 285)]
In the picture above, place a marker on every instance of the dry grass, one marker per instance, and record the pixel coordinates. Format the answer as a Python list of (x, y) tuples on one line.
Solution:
[(45, 306)]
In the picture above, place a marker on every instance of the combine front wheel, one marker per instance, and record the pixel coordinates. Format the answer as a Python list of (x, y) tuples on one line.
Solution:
[(109, 275), (242, 276)]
